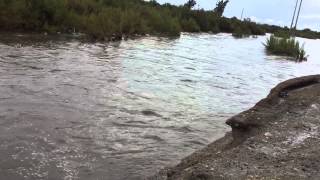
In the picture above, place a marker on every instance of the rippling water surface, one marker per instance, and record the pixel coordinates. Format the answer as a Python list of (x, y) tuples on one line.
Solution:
[(115, 111)]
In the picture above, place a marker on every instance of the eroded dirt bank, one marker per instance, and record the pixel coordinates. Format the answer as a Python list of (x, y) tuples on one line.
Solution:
[(278, 138)]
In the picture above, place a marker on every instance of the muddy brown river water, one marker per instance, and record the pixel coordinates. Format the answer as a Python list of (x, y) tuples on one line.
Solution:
[(79, 110)]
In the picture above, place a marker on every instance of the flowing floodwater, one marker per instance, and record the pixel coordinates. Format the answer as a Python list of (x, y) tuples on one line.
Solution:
[(115, 111)]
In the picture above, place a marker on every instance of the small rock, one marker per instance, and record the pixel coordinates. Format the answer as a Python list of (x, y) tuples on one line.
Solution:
[(150, 113), (267, 134), (314, 106)]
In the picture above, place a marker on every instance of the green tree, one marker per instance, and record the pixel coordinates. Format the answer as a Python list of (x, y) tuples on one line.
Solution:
[(190, 4), (220, 7)]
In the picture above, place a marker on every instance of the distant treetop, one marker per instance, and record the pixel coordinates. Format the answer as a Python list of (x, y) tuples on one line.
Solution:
[(190, 4), (220, 7)]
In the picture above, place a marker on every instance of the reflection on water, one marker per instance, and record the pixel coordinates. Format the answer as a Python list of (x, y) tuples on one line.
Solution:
[(75, 110)]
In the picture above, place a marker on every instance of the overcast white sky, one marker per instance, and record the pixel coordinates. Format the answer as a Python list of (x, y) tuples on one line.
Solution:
[(277, 12)]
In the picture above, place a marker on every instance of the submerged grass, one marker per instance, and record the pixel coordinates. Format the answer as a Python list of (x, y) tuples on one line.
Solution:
[(241, 33), (286, 47)]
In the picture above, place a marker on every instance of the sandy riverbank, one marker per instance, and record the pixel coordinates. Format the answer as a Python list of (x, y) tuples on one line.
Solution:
[(278, 138)]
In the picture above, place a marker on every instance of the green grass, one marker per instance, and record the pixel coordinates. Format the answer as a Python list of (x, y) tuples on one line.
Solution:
[(282, 34), (241, 33), (286, 47)]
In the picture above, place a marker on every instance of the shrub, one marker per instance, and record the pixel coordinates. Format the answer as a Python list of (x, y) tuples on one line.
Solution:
[(241, 32), (104, 18), (132, 23), (225, 25), (202, 19), (256, 29), (286, 47), (190, 25)]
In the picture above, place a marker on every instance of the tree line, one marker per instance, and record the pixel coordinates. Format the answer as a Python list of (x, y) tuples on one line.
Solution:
[(105, 19)]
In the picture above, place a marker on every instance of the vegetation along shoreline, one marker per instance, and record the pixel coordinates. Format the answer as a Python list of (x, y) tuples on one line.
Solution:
[(120, 19)]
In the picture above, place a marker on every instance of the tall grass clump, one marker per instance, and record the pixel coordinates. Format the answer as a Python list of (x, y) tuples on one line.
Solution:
[(282, 34), (286, 47), (241, 33)]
